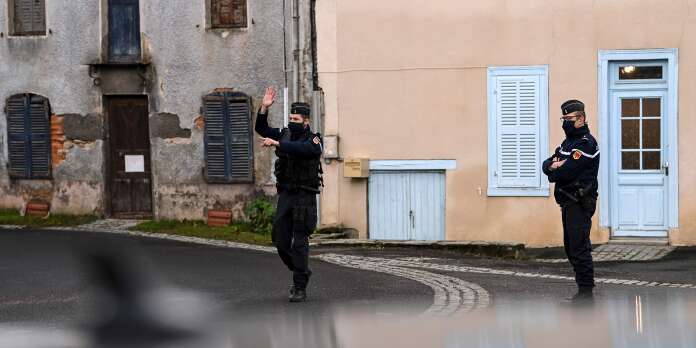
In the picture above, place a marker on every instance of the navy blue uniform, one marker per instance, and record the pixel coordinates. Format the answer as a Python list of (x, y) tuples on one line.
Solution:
[(576, 192), (302, 147), (296, 213)]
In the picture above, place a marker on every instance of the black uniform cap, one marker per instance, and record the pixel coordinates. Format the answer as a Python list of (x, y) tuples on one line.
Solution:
[(300, 108), (571, 106)]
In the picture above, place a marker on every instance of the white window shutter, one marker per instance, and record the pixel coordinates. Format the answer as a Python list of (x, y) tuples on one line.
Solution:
[(517, 111)]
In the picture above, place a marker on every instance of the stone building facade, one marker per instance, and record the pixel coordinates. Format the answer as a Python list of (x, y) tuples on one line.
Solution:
[(134, 108)]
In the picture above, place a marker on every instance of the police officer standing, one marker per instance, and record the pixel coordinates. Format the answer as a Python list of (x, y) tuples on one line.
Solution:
[(573, 168), (298, 178)]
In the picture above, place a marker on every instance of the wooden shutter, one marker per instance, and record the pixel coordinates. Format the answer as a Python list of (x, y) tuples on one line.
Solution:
[(29, 135), (216, 156), (228, 150), (39, 17), (29, 17), (517, 126), (228, 13), (16, 131), (40, 125), (242, 159)]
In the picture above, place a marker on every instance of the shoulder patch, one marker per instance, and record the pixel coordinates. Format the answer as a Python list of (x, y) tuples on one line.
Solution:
[(576, 155), (316, 140)]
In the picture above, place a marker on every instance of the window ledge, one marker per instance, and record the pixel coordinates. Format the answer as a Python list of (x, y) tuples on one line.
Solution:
[(518, 192), (28, 36), (220, 31)]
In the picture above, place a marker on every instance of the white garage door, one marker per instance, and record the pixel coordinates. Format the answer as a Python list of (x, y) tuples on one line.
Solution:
[(406, 205)]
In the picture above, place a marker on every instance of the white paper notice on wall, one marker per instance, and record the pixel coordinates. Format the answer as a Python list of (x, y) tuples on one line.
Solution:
[(135, 163)]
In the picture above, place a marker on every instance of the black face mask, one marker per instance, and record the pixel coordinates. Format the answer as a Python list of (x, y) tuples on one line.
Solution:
[(568, 127), (296, 127)]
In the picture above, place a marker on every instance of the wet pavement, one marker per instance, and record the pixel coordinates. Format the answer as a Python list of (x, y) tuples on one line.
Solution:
[(358, 297)]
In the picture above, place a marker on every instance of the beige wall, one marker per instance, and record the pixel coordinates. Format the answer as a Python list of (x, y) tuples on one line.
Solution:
[(406, 79)]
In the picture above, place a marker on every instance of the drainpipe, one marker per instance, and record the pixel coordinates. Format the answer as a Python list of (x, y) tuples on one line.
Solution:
[(295, 50)]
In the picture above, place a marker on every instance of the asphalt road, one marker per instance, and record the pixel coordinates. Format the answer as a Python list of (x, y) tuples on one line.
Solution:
[(43, 279), (677, 267)]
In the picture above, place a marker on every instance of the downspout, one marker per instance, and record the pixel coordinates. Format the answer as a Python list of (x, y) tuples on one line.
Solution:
[(295, 50), (285, 44), (315, 87), (285, 65), (315, 70)]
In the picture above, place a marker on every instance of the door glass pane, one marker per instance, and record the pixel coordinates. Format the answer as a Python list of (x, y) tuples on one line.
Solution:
[(630, 134), (630, 107), (651, 160), (651, 107), (651, 134), (632, 72), (630, 160)]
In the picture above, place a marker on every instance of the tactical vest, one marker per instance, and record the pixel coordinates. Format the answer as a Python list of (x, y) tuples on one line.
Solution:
[(293, 173)]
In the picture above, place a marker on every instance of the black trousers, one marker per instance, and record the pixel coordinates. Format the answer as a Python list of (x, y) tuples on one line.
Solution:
[(577, 222), (295, 220)]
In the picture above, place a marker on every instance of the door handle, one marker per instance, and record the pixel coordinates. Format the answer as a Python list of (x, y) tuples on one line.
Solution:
[(412, 217), (665, 168)]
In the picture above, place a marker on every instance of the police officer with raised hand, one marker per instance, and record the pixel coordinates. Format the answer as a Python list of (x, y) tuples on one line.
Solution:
[(298, 178), (573, 168)]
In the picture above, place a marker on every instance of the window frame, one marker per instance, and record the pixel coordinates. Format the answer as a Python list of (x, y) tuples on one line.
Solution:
[(209, 18), (494, 190), (614, 77), (12, 32)]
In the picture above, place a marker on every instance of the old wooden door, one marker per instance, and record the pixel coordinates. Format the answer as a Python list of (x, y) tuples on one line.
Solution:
[(129, 152)]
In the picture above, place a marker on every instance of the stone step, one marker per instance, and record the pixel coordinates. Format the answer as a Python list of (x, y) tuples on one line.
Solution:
[(639, 241)]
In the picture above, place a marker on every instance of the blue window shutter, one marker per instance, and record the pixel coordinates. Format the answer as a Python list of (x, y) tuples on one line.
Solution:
[(229, 153), (29, 134), (240, 135), (40, 120), (216, 140), (124, 31), (17, 136)]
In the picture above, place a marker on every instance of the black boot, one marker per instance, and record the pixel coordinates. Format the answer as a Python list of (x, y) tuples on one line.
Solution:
[(583, 297), (298, 295)]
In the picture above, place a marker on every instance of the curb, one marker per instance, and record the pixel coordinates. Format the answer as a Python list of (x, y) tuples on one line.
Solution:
[(503, 250)]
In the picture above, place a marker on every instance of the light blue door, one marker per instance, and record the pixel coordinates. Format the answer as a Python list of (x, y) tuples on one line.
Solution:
[(639, 167), (389, 204), (406, 205)]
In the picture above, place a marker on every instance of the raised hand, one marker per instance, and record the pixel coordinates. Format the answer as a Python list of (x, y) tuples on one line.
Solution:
[(268, 99)]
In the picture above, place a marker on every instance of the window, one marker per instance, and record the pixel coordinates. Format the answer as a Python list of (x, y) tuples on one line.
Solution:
[(641, 135), (632, 72), (124, 31), (517, 130), (28, 17), (228, 14), (228, 138), (29, 136)]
